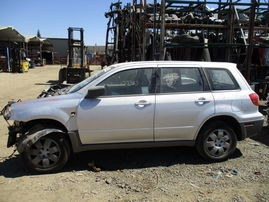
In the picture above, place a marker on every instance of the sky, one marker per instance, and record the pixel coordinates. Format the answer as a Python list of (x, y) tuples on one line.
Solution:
[(53, 17)]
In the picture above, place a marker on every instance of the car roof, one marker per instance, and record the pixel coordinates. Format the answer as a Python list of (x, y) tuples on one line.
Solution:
[(139, 64)]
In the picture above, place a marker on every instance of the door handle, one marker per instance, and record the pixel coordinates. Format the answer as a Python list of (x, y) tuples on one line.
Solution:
[(142, 103), (202, 100)]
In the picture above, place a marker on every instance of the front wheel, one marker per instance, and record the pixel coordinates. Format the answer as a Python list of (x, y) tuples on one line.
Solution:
[(49, 154), (217, 141)]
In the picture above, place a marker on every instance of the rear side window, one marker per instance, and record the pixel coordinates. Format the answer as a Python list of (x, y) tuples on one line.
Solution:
[(221, 79), (180, 79)]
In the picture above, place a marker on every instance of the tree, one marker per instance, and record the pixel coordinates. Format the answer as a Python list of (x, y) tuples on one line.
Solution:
[(38, 33)]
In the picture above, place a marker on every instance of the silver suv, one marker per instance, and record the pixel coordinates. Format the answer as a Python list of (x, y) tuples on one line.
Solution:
[(138, 104)]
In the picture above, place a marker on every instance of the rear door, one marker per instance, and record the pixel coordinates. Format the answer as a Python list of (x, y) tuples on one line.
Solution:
[(183, 102)]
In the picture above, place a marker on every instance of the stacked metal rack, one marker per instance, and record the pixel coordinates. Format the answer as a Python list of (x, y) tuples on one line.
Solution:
[(230, 31)]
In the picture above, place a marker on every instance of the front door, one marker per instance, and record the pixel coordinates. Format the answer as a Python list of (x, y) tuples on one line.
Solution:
[(124, 114)]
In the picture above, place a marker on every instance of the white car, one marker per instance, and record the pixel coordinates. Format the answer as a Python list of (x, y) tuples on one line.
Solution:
[(138, 104)]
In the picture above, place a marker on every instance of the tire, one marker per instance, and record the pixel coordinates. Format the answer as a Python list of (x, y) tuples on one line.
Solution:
[(62, 75), (48, 155), (87, 75), (217, 141)]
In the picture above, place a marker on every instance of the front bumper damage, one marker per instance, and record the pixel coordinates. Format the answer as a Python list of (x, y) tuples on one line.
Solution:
[(23, 135), (15, 130)]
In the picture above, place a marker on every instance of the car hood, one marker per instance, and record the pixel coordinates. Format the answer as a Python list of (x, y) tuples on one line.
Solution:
[(47, 107)]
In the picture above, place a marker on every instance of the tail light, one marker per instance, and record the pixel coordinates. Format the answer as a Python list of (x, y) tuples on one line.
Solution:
[(254, 98)]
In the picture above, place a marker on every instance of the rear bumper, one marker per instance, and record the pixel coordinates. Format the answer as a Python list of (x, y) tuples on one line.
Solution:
[(250, 129)]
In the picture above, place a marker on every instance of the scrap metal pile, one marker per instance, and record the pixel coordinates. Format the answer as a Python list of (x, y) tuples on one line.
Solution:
[(182, 30)]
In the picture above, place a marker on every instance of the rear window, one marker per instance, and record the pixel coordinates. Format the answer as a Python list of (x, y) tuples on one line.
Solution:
[(221, 79)]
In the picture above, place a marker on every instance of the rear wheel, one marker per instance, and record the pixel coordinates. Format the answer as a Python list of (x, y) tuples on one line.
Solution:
[(49, 154), (217, 141)]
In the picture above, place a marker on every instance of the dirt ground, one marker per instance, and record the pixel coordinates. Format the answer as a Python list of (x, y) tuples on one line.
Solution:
[(159, 174)]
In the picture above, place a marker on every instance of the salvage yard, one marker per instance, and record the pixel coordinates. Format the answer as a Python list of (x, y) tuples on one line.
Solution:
[(159, 174)]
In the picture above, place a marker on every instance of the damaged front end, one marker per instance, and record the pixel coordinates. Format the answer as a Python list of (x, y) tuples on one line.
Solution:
[(14, 133), (16, 129), (6, 111)]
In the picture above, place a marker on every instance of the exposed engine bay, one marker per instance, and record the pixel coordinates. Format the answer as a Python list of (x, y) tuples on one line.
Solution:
[(56, 89)]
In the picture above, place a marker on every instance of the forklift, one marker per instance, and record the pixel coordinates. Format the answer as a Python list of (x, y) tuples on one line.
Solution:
[(19, 63), (76, 69)]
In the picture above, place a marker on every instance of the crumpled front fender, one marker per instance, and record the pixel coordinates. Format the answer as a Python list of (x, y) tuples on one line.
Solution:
[(28, 140)]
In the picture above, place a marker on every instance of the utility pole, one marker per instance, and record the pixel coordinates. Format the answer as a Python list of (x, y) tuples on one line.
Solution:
[(250, 39)]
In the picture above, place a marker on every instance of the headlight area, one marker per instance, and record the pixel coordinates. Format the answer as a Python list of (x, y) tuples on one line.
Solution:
[(15, 128), (6, 111), (14, 132)]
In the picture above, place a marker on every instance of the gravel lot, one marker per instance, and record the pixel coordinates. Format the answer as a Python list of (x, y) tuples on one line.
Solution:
[(159, 174)]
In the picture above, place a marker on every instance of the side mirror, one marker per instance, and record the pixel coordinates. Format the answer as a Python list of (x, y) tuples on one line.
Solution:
[(95, 92)]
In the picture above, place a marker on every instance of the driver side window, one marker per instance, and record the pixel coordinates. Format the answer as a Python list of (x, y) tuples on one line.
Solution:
[(128, 82)]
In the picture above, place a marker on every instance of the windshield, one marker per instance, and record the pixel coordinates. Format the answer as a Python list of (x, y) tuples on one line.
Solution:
[(85, 82)]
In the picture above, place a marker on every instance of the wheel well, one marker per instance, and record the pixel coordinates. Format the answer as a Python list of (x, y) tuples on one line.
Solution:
[(48, 123), (229, 120), (45, 122)]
